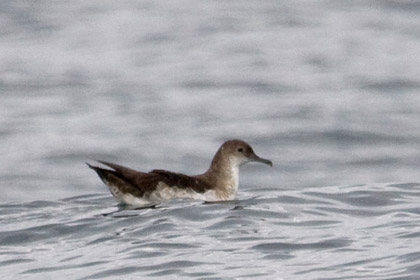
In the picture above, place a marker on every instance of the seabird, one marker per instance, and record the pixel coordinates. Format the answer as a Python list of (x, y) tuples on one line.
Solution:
[(218, 183)]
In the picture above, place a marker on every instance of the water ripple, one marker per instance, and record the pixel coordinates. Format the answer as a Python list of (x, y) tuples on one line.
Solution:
[(325, 244), (318, 231)]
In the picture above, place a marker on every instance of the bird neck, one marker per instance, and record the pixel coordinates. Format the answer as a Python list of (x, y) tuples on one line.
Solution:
[(223, 175)]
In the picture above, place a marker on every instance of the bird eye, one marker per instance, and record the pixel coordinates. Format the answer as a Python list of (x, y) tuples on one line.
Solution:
[(240, 150)]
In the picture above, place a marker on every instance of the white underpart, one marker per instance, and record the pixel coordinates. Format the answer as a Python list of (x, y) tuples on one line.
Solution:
[(128, 198), (164, 192)]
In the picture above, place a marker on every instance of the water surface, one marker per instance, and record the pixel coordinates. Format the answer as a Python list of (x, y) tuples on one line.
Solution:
[(363, 232)]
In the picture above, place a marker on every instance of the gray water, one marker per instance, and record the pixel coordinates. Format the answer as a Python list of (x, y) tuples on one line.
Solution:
[(328, 90)]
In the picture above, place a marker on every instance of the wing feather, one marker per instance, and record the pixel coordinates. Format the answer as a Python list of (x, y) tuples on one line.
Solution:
[(132, 181)]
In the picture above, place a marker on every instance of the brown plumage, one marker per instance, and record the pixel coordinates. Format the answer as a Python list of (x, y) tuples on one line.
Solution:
[(219, 182)]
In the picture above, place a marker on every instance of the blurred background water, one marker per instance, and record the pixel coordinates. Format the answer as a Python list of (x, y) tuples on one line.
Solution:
[(329, 90)]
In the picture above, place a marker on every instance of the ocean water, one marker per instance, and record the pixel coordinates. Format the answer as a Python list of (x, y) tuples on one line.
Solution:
[(328, 90), (357, 232)]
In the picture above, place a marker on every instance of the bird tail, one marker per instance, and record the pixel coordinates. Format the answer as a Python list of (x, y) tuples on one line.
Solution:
[(103, 173)]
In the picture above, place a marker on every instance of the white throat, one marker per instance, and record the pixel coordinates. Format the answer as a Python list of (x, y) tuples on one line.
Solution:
[(233, 177)]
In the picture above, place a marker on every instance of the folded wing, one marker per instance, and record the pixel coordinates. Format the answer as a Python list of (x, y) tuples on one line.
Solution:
[(139, 183)]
